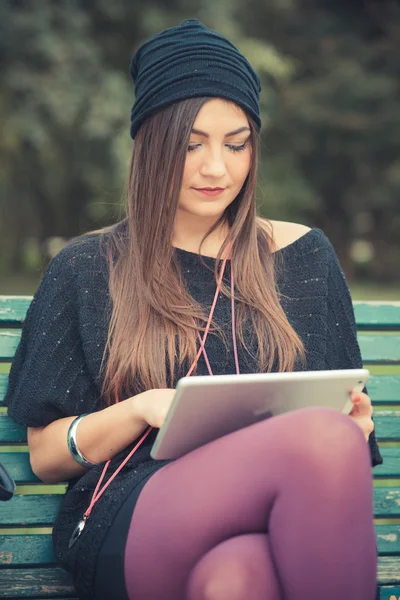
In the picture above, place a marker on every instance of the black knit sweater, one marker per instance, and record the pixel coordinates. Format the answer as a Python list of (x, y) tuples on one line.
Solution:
[(55, 372)]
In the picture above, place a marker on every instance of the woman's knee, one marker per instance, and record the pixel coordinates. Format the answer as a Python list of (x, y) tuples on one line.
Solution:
[(235, 569), (227, 580), (321, 435)]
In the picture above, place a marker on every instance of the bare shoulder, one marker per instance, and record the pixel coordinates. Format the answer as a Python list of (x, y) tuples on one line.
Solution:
[(283, 233)]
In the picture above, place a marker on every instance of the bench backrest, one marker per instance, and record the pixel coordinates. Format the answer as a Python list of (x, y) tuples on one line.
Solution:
[(27, 564)]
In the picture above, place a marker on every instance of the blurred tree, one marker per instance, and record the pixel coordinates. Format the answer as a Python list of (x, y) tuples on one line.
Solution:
[(64, 118), (329, 105), (334, 137)]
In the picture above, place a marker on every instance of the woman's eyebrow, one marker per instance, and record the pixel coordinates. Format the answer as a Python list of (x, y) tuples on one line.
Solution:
[(198, 132)]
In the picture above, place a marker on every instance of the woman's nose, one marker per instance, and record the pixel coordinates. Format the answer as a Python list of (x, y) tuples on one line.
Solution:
[(213, 165)]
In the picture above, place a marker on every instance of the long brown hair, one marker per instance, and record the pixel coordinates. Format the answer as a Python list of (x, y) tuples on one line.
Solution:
[(154, 319)]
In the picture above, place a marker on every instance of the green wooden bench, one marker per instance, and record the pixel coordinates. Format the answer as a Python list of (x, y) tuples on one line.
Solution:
[(27, 564)]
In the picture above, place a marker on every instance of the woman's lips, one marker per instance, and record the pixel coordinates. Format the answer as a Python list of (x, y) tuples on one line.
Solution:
[(210, 192)]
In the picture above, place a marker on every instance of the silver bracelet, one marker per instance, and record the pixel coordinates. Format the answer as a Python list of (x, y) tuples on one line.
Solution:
[(73, 446)]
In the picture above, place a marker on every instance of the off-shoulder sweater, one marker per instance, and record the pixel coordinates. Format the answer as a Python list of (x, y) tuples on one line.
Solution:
[(55, 372)]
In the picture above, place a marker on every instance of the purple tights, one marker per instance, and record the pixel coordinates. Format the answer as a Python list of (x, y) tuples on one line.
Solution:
[(280, 510)]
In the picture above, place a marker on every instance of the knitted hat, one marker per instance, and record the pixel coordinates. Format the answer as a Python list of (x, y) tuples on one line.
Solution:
[(186, 61)]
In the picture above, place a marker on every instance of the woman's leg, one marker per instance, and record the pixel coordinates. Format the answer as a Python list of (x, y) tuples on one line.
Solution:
[(303, 477), (241, 568)]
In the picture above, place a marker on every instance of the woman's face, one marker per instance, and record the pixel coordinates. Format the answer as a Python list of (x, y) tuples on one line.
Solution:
[(218, 156)]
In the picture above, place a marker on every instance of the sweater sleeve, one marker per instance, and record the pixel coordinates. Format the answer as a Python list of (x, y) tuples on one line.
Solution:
[(343, 351), (49, 378)]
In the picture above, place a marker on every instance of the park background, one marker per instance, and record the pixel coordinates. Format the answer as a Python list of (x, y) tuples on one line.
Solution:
[(330, 139), (329, 103)]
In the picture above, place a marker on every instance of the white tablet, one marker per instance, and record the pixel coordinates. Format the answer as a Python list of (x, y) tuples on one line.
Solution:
[(205, 408)]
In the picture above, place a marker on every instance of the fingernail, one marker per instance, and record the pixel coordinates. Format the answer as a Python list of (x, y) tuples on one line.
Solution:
[(356, 399)]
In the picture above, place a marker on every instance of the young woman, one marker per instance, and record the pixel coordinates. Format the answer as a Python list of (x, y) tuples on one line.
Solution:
[(280, 510)]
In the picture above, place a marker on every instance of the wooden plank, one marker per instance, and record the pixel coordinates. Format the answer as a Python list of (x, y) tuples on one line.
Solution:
[(389, 570), (25, 583), (388, 539), (27, 550), (390, 467), (10, 431), (383, 389), (387, 502), (3, 386), (13, 308), (387, 424), (375, 349), (390, 592), (41, 510), (57, 583), (385, 315), (380, 349), (19, 467), (9, 339), (30, 509), (37, 549)]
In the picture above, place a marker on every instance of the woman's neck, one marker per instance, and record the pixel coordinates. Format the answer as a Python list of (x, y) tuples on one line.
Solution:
[(191, 242)]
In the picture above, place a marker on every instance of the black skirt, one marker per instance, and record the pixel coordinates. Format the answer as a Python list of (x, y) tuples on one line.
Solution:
[(110, 576)]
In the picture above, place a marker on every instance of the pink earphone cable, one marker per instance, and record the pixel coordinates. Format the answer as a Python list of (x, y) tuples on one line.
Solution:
[(97, 494)]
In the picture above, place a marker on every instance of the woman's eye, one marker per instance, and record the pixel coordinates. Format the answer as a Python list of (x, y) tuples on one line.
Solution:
[(236, 148), (230, 146)]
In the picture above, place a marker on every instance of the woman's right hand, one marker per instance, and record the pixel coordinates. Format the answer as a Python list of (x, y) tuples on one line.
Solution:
[(153, 405)]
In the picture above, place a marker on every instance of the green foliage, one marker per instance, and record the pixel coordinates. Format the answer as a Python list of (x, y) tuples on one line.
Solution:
[(331, 136)]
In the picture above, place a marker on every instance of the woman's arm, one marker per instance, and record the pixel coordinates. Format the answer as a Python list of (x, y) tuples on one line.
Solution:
[(100, 435)]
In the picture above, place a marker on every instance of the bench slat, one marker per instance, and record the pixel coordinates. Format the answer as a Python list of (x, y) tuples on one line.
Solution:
[(25, 583), (387, 502), (10, 431), (388, 539), (391, 464), (41, 510), (14, 308), (56, 583), (380, 349), (383, 349), (389, 592), (389, 570), (27, 550), (9, 340), (383, 389), (387, 424), (382, 314), (30, 509), (37, 549), (18, 464)]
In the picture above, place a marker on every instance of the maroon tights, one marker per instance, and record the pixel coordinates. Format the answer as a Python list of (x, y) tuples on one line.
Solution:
[(280, 510)]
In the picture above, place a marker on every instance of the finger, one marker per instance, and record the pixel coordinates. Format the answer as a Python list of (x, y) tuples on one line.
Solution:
[(360, 396), (360, 399), (361, 410)]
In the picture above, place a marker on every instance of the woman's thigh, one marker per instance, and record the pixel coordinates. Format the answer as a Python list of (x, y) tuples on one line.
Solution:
[(228, 488)]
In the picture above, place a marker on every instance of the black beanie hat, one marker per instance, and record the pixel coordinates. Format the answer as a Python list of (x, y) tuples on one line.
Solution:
[(187, 61)]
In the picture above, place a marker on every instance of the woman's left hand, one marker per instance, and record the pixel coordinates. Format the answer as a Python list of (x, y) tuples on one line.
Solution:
[(361, 412)]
